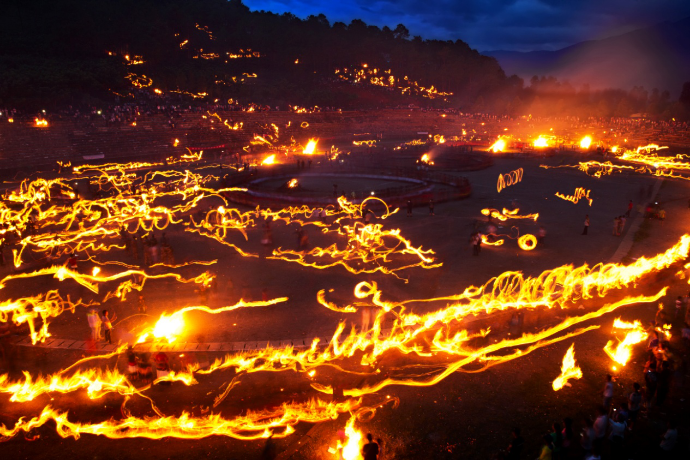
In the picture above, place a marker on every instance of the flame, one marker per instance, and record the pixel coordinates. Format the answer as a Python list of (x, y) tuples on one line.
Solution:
[(311, 147), (292, 183), (41, 122), (252, 425), (506, 180), (352, 448), (426, 159), (569, 370), (540, 142), (552, 288), (507, 214), (621, 352), (176, 143), (579, 194), (369, 248), (498, 242), (527, 242), (498, 146), (170, 327), (269, 160), (437, 335), (585, 142), (614, 149)]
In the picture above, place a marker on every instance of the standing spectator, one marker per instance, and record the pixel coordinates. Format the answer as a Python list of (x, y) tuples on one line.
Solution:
[(623, 414), (541, 234), (608, 392), (108, 326), (94, 324), (601, 424), (587, 436), (409, 208), (679, 307), (516, 445), (586, 229), (547, 448), (670, 438), (595, 455), (370, 451), (141, 304), (630, 208), (568, 436), (616, 226), (634, 403), (651, 379), (431, 207), (664, 382), (662, 215), (616, 437), (557, 440)]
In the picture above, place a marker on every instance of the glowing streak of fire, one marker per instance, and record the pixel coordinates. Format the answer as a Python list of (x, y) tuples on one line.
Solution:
[(252, 425), (369, 248), (486, 241), (468, 356), (543, 290), (511, 178), (171, 326), (90, 281), (621, 352), (569, 370), (580, 193), (527, 242), (507, 214), (28, 310)]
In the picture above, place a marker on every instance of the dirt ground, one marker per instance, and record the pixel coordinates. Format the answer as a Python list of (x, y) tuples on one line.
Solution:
[(467, 415)]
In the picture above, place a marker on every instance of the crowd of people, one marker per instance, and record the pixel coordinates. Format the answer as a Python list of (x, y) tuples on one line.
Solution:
[(630, 419)]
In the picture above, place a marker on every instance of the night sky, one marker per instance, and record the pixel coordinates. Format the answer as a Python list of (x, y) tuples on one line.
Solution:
[(522, 25)]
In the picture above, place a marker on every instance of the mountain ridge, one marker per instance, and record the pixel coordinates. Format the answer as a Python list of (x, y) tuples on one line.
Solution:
[(653, 57)]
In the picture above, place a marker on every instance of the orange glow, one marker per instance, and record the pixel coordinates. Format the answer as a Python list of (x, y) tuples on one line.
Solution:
[(41, 123), (426, 159), (569, 370), (311, 147), (580, 193), (292, 183), (269, 160), (506, 214), (527, 242), (585, 142), (498, 146), (621, 352), (541, 142), (427, 331), (277, 422), (506, 180)]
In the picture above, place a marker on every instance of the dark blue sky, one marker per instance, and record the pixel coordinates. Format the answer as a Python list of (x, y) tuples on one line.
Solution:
[(522, 25)]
